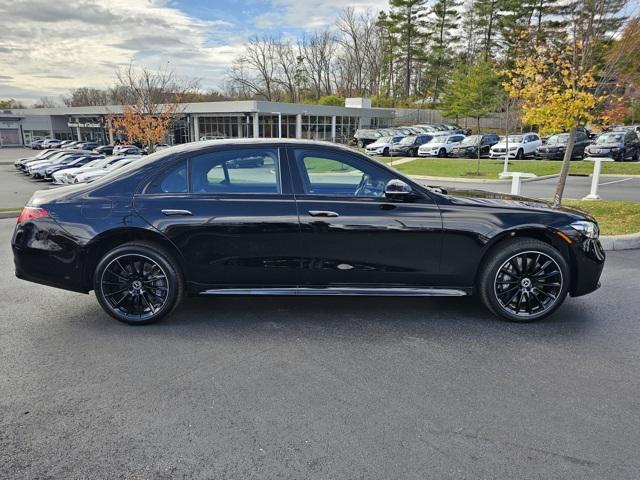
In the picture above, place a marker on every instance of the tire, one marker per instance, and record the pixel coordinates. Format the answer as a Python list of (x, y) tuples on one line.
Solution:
[(504, 282), (122, 291), (520, 155), (385, 152), (413, 152), (360, 144), (442, 153), (635, 156)]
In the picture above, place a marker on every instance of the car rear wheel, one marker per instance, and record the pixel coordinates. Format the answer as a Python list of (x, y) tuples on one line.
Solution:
[(525, 280), (138, 283)]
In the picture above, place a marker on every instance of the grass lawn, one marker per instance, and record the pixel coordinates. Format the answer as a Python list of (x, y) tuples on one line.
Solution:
[(490, 169), (615, 217), (12, 209)]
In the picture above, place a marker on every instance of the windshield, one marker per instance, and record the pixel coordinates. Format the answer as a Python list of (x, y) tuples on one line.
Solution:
[(515, 138), (408, 140), (384, 140), (471, 140), (563, 138), (438, 139), (610, 138)]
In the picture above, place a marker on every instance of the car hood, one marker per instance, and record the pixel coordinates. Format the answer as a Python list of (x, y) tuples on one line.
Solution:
[(606, 145), (504, 145), (498, 200)]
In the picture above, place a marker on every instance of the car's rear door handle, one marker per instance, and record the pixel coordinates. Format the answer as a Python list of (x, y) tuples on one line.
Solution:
[(170, 212), (322, 213)]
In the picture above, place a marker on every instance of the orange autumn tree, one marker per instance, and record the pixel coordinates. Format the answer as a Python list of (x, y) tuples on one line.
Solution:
[(150, 100), (145, 128)]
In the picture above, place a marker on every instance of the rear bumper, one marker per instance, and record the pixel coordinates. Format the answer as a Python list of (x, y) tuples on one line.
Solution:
[(43, 253)]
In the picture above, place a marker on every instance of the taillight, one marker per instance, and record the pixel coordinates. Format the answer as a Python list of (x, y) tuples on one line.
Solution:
[(32, 213)]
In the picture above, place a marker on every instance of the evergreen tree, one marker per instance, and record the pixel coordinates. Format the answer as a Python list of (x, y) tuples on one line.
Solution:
[(442, 26), (408, 22)]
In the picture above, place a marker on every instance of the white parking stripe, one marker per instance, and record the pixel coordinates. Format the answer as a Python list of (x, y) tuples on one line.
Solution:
[(616, 181)]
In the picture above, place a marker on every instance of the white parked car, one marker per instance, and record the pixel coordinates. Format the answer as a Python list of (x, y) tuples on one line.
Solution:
[(520, 146), (382, 146), (51, 143), (69, 175), (92, 175), (440, 145)]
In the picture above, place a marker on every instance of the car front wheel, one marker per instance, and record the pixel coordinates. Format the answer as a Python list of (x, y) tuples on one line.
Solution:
[(138, 283), (525, 280)]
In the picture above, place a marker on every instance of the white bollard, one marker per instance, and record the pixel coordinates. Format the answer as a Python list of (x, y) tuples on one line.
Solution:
[(595, 178), (516, 180)]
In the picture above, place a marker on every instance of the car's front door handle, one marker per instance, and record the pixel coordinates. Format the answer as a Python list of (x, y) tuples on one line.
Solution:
[(170, 212), (322, 213)]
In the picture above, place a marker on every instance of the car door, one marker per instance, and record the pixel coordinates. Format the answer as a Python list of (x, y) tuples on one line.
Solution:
[(235, 227), (351, 234)]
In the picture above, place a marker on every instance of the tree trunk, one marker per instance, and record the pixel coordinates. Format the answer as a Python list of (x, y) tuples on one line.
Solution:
[(564, 172), (478, 133)]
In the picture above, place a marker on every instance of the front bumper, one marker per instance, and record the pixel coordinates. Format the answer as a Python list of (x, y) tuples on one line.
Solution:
[(588, 259), (512, 154), (550, 155)]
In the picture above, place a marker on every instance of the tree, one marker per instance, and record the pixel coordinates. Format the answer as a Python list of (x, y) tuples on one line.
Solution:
[(86, 96), (473, 93), (45, 102), (442, 26), (556, 97), (254, 72), (408, 22), (150, 99), (10, 104)]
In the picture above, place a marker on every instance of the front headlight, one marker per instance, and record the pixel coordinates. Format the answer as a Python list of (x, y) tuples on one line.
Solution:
[(511, 149), (587, 228)]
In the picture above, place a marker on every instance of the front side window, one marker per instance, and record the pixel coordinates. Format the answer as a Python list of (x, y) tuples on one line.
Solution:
[(236, 171), (336, 174)]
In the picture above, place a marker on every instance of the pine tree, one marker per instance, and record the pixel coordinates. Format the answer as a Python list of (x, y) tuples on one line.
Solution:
[(442, 26), (408, 20)]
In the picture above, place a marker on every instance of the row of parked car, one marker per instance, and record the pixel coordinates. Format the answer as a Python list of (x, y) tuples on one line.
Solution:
[(72, 165), (619, 144)]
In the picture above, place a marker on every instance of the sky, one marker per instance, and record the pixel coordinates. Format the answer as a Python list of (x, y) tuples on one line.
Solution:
[(48, 47)]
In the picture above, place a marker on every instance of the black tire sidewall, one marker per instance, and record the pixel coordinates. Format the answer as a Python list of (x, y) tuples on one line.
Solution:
[(503, 252), (158, 255)]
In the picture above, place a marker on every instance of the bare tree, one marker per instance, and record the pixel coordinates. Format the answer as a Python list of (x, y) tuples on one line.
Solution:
[(86, 96), (255, 71), (45, 102), (318, 51)]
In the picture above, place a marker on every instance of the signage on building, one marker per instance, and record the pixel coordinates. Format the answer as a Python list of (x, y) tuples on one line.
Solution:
[(84, 125), (5, 124)]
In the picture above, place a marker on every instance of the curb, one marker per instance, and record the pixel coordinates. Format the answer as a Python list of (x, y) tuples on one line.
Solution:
[(620, 242), (11, 214), (480, 180), (609, 175)]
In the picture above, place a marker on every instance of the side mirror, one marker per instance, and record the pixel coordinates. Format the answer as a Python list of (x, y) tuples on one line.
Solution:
[(397, 190)]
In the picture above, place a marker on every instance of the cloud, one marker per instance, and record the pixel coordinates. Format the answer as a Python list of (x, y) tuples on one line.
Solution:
[(51, 46)]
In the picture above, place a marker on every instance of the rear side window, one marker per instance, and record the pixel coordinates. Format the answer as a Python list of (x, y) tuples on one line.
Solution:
[(173, 180), (254, 170)]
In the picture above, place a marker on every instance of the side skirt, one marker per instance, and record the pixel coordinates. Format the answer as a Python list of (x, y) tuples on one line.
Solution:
[(345, 291)]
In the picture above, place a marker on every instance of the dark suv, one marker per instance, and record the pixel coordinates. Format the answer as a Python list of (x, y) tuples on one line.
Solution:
[(469, 146), (409, 145), (556, 145), (619, 145)]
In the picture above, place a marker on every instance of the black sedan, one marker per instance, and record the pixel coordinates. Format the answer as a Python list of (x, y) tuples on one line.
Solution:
[(620, 145), (556, 145), (314, 219), (469, 146)]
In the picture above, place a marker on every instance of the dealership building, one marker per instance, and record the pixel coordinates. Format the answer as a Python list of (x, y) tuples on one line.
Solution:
[(200, 121)]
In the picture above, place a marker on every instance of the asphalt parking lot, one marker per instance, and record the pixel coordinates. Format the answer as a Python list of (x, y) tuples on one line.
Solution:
[(261, 388)]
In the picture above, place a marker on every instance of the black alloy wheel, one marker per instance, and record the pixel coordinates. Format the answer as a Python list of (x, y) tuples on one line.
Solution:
[(138, 283), (520, 154), (526, 281), (442, 153), (385, 152), (413, 152)]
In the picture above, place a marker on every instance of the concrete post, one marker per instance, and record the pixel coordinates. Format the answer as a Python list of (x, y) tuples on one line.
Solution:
[(516, 180), (110, 131), (196, 128), (299, 125), (595, 178), (333, 128), (256, 125)]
